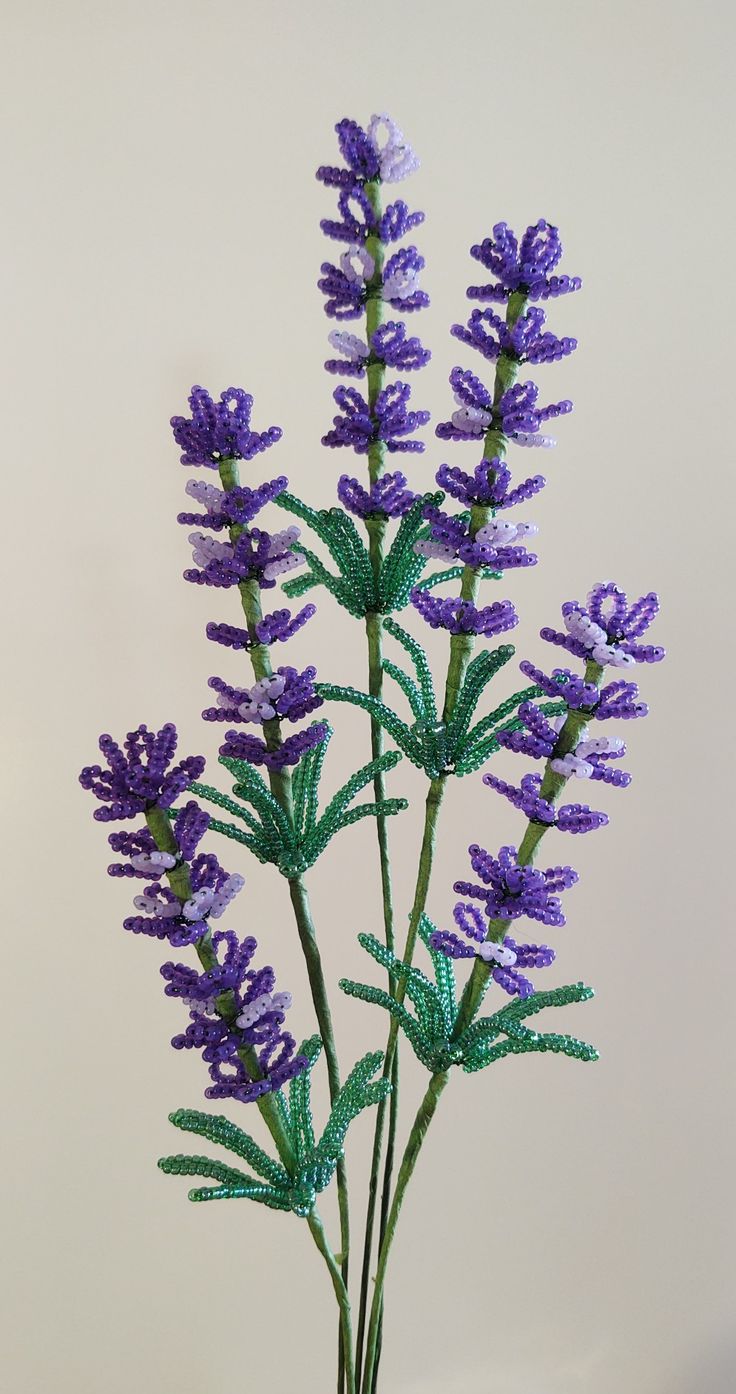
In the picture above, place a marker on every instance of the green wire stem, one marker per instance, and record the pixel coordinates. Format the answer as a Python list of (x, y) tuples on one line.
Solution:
[(280, 781), (551, 787), (162, 833), (461, 651), (376, 529)]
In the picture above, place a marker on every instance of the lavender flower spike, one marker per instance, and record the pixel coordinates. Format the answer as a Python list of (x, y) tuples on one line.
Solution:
[(607, 629), (139, 776)]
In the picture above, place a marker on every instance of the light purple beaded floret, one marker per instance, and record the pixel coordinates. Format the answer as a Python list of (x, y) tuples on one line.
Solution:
[(589, 759), (504, 957), (286, 694), (494, 545), (254, 1018), (607, 627)]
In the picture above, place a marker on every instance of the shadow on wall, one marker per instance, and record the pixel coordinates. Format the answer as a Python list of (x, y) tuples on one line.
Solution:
[(711, 1372)]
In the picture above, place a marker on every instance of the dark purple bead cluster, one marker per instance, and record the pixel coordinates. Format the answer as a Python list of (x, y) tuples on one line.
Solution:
[(389, 421), (388, 497), (488, 485), (140, 775), (527, 341), (240, 745), (571, 818), (219, 430), (254, 1017), (461, 617), (524, 266), (373, 157)]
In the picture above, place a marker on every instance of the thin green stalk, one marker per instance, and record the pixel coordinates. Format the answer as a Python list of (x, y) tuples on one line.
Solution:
[(572, 732), (280, 781), (461, 650), (268, 1105), (408, 1162), (341, 1293), (376, 528)]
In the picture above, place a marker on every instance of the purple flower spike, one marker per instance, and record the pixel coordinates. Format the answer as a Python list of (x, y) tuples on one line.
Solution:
[(494, 545), (510, 891), (526, 267), (139, 777), (255, 1019), (388, 497), (390, 420), (239, 745), (572, 818), (285, 696), (489, 485), (219, 430), (526, 342), (460, 617), (607, 629)]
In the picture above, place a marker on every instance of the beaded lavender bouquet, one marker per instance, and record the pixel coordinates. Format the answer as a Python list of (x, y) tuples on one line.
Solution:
[(384, 550)]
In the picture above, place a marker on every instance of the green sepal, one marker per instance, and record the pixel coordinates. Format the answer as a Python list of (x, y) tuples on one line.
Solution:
[(432, 1028), (293, 840), (353, 583), (315, 1162)]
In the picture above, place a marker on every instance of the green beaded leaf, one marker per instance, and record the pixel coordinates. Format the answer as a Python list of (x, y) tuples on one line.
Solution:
[(433, 746), (429, 1029), (293, 840), (403, 565), (353, 583), (314, 1162), (432, 1028)]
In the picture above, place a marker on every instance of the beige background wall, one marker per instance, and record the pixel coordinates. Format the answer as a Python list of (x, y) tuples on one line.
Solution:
[(569, 1229)]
